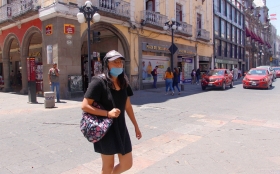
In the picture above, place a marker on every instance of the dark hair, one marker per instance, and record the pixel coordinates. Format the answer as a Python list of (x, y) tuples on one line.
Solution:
[(168, 70), (122, 79), (176, 70)]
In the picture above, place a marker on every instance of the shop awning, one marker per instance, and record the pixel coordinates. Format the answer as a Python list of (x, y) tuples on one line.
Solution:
[(260, 40), (248, 33), (253, 36)]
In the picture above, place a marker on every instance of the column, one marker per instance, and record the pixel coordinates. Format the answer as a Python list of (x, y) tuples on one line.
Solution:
[(6, 74), (24, 74)]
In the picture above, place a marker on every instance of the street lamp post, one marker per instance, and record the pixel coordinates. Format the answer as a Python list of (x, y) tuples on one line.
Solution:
[(173, 25), (86, 14), (260, 57)]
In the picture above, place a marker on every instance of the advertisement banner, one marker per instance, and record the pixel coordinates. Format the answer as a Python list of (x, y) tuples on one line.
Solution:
[(187, 67), (31, 73), (49, 54), (148, 65)]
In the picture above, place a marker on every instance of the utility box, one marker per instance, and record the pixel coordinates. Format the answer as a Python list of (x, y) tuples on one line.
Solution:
[(49, 99)]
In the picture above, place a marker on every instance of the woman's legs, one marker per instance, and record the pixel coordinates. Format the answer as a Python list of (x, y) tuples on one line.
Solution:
[(166, 85), (177, 87), (170, 86), (107, 164), (125, 163)]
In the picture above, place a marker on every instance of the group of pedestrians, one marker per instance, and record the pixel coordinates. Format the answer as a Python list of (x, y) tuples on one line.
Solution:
[(172, 79), (195, 74)]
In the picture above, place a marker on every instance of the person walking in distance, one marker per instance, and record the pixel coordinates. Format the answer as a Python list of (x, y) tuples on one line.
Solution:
[(176, 80), (117, 139), (154, 74), (54, 80), (193, 76), (197, 74), (168, 76)]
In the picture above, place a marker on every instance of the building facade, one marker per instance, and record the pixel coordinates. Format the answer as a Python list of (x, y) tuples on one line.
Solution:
[(49, 32), (229, 34), (259, 38)]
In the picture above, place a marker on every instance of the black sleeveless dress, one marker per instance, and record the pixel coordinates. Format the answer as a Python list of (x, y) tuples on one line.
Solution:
[(116, 140)]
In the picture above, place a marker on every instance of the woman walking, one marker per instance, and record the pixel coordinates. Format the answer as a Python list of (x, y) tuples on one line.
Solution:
[(193, 76), (168, 76), (176, 80), (117, 139)]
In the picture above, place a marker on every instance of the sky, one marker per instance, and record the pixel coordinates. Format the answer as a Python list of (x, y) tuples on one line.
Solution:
[(274, 8)]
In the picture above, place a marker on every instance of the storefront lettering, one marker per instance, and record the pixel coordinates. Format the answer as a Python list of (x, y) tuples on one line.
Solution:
[(152, 47), (185, 52), (35, 54)]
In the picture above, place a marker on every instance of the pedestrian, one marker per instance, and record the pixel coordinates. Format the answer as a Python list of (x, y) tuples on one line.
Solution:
[(12, 76), (117, 139), (149, 71), (144, 71), (54, 80), (193, 76), (197, 74), (154, 73), (235, 73), (19, 78), (239, 73), (176, 74), (168, 76)]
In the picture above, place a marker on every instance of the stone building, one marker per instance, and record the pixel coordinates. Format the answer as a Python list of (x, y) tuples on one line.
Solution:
[(49, 32)]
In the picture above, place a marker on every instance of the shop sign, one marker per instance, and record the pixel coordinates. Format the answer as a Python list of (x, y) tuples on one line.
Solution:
[(189, 50), (31, 76), (154, 47), (203, 58), (49, 29), (188, 60), (69, 29), (225, 61), (35, 54)]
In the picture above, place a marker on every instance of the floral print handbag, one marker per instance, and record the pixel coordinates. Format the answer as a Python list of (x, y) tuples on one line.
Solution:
[(95, 127)]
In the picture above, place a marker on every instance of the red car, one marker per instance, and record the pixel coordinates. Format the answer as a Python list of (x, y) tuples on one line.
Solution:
[(217, 78), (257, 78), (277, 71)]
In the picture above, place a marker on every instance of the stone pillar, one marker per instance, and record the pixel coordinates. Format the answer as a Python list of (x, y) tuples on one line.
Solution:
[(24, 74), (6, 68), (66, 52)]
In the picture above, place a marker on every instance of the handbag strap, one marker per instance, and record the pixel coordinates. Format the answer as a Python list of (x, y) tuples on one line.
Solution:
[(108, 91)]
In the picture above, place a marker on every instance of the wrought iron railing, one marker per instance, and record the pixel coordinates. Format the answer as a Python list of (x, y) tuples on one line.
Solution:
[(17, 8), (154, 18), (203, 34), (186, 28), (121, 8)]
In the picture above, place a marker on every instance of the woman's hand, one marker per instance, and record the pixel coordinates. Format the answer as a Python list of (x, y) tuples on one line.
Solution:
[(138, 133), (114, 113)]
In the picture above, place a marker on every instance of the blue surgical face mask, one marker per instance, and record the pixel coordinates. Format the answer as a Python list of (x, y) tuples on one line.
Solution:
[(116, 71)]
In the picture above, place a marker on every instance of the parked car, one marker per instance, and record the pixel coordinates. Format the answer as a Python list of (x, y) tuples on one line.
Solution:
[(270, 70), (257, 78), (217, 78), (277, 71)]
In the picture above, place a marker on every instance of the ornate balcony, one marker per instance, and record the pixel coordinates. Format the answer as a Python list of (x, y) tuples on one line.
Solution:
[(203, 35), (109, 8), (153, 19), (186, 29), (18, 10)]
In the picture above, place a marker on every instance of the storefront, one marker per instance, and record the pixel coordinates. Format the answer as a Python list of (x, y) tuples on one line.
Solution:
[(227, 64), (153, 55), (186, 62), (204, 64)]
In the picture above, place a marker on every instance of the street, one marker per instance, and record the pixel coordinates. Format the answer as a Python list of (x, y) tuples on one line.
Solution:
[(211, 132)]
